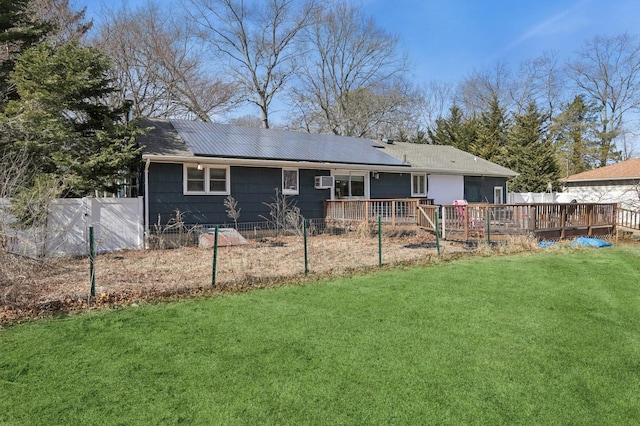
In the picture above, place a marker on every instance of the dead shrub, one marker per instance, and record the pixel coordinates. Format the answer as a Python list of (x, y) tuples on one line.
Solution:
[(520, 244), (175, 233)]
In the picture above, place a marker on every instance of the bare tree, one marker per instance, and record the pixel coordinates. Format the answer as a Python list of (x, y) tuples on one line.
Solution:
[(14, 172), (438, 99), (68, 24), (481, 87), (159, 67), (607, 71), (256, 40), (246, 121), (539, 80), (352, 79)]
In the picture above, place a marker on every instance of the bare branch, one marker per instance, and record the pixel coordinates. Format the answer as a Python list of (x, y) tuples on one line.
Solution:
[(607, 71), (256, 39), (352, 79), (159, 66)]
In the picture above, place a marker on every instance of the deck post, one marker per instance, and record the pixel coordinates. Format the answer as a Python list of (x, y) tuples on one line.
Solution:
[(437, 225), (533, 215), (590, 213), (393, 213), (488, 225), (563, 220), (465, 217), (444, 221)]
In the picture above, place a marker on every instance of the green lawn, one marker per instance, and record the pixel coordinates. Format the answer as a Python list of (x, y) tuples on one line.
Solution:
[(544, 338)]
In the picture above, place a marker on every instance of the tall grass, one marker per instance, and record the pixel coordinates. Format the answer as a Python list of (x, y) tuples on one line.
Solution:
[(544, 338)]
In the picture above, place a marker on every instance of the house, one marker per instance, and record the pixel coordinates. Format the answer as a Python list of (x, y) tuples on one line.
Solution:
[(452, 174), (192, 167), (617, 183)]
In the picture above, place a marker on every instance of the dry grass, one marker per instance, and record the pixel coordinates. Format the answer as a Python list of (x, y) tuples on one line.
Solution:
[(189, 267), (31, 286)]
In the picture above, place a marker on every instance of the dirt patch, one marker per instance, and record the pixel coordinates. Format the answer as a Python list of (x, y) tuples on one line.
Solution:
[(38, 287)]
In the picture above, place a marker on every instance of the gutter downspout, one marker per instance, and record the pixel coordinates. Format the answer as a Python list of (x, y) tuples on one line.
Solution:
[(146, 203)]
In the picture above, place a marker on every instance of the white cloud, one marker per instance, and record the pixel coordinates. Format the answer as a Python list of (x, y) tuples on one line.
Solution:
[(564, 22)]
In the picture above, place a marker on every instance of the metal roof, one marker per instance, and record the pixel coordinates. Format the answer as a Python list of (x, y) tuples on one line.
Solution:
[(229, 141), (161, 139), (445, 159)]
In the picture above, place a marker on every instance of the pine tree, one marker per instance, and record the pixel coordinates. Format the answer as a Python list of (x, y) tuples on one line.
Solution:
[(573, 132), (19, 30), (455, 130), (62, 120), (491, 134), (530, 153)]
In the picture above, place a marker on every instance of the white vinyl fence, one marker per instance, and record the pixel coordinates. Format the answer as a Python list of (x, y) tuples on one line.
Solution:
[(117, 225), (628, 197), (540, 197)]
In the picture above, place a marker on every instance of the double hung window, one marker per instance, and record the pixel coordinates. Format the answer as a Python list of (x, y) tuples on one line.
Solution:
[(418, 185), (199, 179), (290, 181)]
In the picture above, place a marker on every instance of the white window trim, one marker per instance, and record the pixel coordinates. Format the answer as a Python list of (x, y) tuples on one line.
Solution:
[(426, 183), (497, 189), (296, 191), (206, 169), (364, 173)]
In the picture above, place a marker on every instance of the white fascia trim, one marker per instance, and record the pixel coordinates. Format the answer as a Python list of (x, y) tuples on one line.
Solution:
[(313, 165), (274, 164)]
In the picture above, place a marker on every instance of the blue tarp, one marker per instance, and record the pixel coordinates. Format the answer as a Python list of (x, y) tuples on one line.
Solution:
[(545, 244), (590, 242)]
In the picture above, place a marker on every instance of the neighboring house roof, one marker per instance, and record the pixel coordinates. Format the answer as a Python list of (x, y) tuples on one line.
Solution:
[(445, 159), (629, 169), (199, 139)]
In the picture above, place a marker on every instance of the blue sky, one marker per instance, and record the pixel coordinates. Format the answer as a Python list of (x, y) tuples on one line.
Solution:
[(447, 39)]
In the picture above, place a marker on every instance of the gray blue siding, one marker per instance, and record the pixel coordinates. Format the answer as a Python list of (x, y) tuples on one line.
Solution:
[(250, 186), (391, 185), (479, 189)]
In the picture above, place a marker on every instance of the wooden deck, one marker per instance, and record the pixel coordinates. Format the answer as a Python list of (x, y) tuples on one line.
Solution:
[(490, 222), (544, 221)]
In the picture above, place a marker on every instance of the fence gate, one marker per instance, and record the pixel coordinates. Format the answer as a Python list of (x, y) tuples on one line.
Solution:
[(117, 223)]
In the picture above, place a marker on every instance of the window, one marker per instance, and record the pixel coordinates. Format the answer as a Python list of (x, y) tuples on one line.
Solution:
[(195, 179), (217, 180), (498, 197), (290, 181), (418, 185), (350, 186), (200, 179)]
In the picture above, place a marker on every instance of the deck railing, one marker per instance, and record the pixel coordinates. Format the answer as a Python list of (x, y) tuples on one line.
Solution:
[(392, 211), (543, 220), (472, 221), (628, 218)]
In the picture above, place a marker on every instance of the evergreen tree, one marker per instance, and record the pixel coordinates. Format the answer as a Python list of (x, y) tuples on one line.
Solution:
[(530, 153), (573, 132), (491, 136), (456, 130), (19, 30), (61, 119)]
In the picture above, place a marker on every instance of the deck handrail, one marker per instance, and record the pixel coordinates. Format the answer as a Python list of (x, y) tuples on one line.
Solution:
[(628, 218), (473, 220), (528, 218), (397, 210)]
